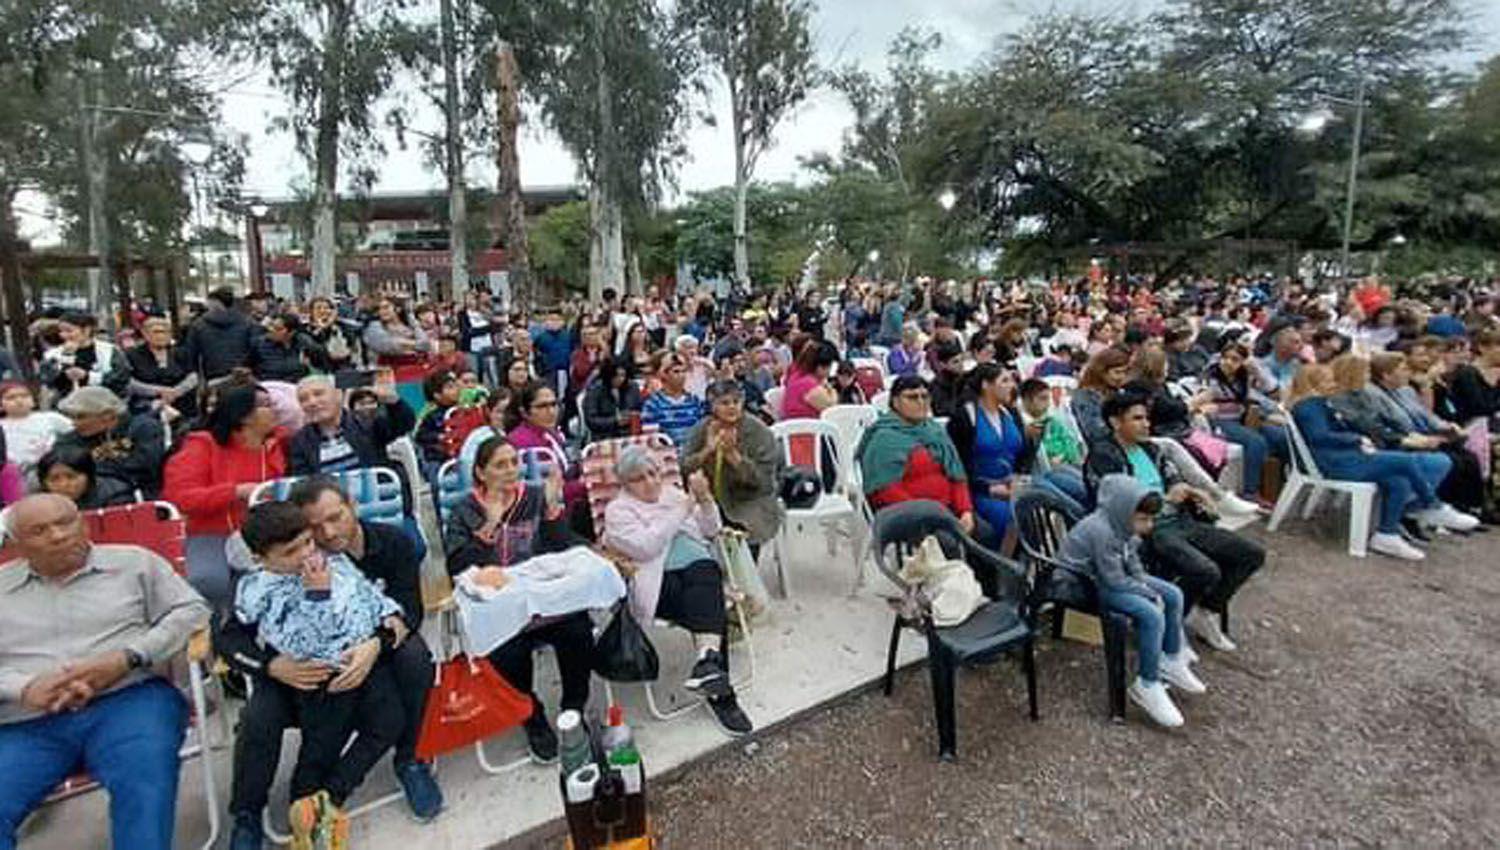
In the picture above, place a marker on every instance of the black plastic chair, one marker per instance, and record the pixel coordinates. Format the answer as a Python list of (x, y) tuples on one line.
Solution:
[(1042, 521), (996, 628)]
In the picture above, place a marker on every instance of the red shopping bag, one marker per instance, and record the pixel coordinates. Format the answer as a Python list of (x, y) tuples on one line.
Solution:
[(468, 703)]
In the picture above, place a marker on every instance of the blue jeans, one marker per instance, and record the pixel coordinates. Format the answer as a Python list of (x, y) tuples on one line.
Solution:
[(127, 740), (1259, 444), (1405, 479), (1157, 630), (1066, 482)]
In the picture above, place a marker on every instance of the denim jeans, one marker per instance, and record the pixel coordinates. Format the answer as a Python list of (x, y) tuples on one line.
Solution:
[(1405, 479), (128, 741), (1260, 444), (1067, 483), (1157, 630)]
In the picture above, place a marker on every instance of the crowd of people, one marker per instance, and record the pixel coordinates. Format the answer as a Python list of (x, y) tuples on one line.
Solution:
[(1118, 398)]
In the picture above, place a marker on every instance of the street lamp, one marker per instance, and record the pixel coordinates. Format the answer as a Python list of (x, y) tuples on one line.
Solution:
[(1359, 127), (947, 200), (197, 150), (254, 248)]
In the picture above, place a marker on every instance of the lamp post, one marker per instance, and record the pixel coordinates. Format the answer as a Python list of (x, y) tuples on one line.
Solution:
[(1359, 126), (254, 248), (198, 152)]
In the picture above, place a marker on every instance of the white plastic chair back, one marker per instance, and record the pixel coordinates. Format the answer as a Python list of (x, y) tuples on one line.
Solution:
[(773, 401), (851, 420)]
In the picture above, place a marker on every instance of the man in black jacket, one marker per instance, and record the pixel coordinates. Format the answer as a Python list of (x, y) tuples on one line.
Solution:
[(335, 439), (1187, 547), (284, 353), (385, 555), (220, 339)]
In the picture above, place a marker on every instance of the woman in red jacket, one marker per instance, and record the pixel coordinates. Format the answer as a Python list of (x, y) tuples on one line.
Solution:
[(211, 477)]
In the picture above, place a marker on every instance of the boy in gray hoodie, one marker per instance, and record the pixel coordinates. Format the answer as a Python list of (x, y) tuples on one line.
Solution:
[(1105, 548)]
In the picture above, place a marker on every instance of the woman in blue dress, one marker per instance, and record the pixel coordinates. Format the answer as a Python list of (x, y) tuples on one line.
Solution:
[(991, 442)]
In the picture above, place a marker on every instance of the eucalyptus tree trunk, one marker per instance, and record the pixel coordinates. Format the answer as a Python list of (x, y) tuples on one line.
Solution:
[(458, 213), (326, 149), (508, 164)]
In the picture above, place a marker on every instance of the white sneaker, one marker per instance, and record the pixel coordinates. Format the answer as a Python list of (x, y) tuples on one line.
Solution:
[(1175, 670), (1205, 624), (1393, 545), (1446, 516), (1152, 698), (1233, 505), (1187, 652)]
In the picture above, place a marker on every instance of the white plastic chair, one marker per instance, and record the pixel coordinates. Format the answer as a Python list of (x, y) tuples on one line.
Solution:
[(773, 401), (830, 510), (1303, 474), (881, 401), (851, 420)]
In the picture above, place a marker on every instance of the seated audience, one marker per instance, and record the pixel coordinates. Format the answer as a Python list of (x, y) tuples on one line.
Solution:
[(667, 535), (1107, 372), (127, 448), (1365, 409), (311, 606), (1105, 548), (336, 439), (742, 460), (211, 477), (611, 402), (1343, 453), (499, 524), (83, 689), (71, 472), (671, 408), (1185, 546), (29, 433), (905, 455), (807, 392)]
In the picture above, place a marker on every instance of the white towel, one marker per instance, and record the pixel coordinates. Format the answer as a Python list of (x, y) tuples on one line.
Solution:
[(544, 586)]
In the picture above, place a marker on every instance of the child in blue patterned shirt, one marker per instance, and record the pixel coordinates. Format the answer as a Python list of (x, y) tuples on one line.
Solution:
[(311, 606)]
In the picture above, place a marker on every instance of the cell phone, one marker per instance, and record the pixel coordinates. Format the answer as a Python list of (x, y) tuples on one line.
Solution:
[(351, 379)]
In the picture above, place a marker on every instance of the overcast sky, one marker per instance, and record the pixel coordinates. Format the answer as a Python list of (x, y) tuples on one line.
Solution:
[(845, 31)]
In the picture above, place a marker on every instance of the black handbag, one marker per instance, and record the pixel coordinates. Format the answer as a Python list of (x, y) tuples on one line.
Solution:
[(623, 653)]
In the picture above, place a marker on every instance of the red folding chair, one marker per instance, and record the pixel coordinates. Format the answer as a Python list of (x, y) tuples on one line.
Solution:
[(159, 527)]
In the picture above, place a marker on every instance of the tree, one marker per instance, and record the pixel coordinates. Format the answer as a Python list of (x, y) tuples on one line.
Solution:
[(560, 243), (102, 94), (763, 50), (608, 76), (334, 59)]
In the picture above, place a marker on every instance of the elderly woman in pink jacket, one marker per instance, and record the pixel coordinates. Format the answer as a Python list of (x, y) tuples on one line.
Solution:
[(668, 535)]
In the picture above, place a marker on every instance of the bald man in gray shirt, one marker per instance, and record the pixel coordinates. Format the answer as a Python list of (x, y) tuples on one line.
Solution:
[(84, 626)]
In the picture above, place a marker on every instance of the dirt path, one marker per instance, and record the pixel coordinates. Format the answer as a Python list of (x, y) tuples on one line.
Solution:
[(1362, 709)]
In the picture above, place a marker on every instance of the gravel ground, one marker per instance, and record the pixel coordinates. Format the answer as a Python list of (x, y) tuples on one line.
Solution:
[(1362, 709)]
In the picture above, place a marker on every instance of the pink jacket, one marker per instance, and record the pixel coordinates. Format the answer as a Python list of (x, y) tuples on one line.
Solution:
[(12, 487), (643, 532)]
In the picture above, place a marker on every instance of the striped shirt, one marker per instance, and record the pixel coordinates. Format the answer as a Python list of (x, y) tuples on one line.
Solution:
[(674, 416)]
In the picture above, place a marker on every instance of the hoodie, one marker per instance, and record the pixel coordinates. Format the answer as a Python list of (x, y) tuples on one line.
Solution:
[(1103, 546), (219, 341)]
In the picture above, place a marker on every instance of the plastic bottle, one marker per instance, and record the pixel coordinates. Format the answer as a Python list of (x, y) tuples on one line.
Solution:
[(573, 742), (624, 759)]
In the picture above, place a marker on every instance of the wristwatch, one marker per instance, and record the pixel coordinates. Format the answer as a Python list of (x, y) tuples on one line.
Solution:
[(135, 660)]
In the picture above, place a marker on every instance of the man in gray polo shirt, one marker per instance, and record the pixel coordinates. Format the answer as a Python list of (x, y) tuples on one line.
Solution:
[(84, 627)]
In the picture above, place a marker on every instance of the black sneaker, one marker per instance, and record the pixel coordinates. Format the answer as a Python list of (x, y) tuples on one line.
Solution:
[(730, 717), (708, 676), (1414, 533), (540, 739)]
